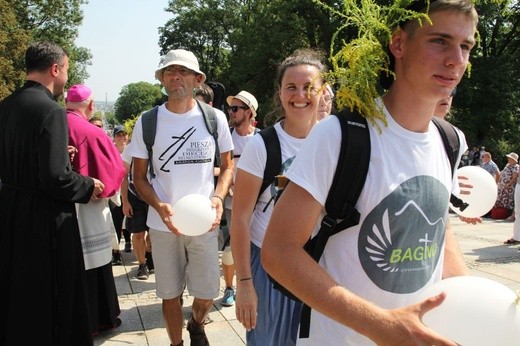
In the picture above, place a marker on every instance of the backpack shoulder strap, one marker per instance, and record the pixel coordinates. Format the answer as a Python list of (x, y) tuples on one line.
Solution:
[(352, 168), (210, 119), (450, 139), (149, 124), (451, 142), (347, 184), (349, 179), (273, 163)]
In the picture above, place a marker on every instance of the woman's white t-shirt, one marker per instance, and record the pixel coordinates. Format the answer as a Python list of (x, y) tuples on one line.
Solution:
[(397, 249), (253, 161)]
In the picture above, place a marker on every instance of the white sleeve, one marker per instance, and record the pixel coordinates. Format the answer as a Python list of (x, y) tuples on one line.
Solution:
[(126, 154), (225, 142), (314, 166), (254, 157), (137, 148)]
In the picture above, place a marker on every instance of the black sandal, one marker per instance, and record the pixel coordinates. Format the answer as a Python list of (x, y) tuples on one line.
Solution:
[(197, 334)]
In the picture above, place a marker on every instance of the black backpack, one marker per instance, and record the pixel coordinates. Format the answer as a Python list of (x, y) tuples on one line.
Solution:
[(149, 123), (340, 206)]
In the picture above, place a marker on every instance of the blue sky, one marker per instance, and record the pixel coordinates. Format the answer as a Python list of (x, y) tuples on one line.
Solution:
[(122, 36)]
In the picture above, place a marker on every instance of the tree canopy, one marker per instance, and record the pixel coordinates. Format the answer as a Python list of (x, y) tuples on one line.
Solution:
[(26, 21), (13, 42), (487, 104), (135, 98), (239, 43)]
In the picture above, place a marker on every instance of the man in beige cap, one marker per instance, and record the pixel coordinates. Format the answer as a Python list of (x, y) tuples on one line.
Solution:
[(183, 160), (242, 113)]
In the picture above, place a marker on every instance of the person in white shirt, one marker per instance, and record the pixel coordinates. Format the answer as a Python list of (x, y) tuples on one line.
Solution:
[(242, 110), (365, 288), (183, 160), (271, 319)]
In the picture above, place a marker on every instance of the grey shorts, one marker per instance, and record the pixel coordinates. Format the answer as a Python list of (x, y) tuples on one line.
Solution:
[(137, 223), (183, 259)]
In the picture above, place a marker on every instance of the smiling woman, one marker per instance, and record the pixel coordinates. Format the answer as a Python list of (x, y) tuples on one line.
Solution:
[(299, 89)]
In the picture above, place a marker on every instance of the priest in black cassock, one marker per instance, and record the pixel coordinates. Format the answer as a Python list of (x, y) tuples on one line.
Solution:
[(41, 261)]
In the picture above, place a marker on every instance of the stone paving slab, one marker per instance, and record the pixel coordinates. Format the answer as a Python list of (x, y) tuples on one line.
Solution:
[(482, 247)]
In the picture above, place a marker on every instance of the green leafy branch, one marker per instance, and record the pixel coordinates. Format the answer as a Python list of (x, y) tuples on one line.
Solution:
[(359, 62)]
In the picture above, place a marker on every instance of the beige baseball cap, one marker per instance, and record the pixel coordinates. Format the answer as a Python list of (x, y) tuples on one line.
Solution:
[(247, 98)]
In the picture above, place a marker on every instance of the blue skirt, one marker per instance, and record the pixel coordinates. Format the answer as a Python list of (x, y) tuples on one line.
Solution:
[(278, 316)]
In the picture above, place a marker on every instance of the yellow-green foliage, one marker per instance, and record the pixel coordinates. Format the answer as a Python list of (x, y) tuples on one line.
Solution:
[(129, 125), (357, 65)]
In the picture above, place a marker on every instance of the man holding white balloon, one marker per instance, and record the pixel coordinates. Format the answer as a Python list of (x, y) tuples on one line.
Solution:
[(183, 159)]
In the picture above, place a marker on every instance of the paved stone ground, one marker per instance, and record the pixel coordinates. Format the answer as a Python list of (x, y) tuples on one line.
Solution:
[(482, 247)]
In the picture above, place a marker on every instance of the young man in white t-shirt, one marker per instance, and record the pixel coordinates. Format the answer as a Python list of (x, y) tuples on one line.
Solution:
[(242, 110), (364, 291), (183, 160)]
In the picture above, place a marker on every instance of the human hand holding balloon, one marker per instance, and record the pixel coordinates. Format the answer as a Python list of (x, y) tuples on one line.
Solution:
[(463, 184), (471, 220), (477, 311), (478, 190), (403, 326), (217, 202), (465, 189), (165, 211)]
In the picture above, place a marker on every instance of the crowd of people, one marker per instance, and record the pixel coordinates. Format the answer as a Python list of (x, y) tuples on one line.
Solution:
[(85, 191), (507, 203), (506, 180)]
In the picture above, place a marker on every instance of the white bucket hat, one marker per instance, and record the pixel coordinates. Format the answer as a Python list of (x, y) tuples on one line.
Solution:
[(247, 98), (513, 156), (179, 57)]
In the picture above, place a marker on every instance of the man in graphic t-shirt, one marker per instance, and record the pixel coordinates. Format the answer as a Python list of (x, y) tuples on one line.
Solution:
[(365, 289), (183, 159)]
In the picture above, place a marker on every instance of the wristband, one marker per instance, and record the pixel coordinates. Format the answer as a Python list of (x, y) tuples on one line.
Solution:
[(221, 199)]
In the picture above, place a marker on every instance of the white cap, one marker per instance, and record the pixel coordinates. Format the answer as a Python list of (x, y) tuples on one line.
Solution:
[(247, 98), (513, 156), (179, 57)]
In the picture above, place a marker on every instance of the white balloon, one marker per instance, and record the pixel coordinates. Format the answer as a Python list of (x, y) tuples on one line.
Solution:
[(482, 196), (193, 214), (476, 312)]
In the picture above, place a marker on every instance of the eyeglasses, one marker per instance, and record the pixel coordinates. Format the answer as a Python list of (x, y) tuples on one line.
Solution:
[(234, 109), (181, 70)]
